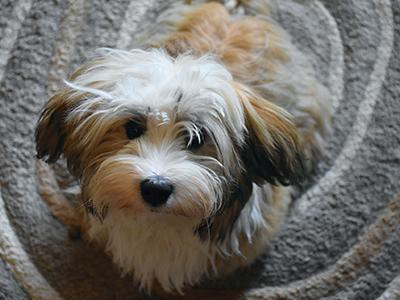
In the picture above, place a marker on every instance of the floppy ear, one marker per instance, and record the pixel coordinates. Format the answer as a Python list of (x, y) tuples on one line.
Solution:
[(273, 151), (50, 130)]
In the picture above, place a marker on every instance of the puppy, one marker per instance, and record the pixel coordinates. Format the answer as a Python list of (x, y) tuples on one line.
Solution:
[(184, 149)]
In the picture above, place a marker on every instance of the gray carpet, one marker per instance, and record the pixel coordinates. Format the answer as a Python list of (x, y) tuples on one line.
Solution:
[(342, 238)]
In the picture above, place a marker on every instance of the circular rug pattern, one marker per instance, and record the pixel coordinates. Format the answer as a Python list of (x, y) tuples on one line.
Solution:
[(342, 237)]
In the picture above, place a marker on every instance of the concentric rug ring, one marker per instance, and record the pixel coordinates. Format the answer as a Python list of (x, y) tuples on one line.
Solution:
[(347, 214)]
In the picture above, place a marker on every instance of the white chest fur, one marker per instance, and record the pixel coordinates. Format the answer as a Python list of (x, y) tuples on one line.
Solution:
[(164, 248), (154, 246)]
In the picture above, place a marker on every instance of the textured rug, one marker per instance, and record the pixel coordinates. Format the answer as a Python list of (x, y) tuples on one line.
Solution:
[(342, 237)]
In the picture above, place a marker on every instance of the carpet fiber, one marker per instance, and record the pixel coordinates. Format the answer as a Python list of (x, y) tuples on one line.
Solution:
[(342, 237)]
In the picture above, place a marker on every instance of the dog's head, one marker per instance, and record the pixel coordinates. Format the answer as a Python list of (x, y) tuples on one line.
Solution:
[(148, 133)]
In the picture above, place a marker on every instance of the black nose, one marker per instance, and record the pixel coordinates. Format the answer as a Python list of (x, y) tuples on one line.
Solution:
[(156, 190)]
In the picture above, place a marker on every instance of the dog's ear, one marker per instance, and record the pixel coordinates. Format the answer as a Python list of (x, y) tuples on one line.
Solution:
[(272, 152), (50, 130)]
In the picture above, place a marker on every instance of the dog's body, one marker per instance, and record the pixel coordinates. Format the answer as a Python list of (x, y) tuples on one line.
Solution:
[(183, 150)]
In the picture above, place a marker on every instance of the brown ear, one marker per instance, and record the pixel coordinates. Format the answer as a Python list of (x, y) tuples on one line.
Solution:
[(50, 130), (272, 151)]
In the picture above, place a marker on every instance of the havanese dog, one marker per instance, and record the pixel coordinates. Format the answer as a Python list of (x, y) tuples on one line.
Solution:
[(185, 149)]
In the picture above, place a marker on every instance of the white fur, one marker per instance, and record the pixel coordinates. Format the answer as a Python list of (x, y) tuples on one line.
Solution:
[(155, 247), (165, 248)]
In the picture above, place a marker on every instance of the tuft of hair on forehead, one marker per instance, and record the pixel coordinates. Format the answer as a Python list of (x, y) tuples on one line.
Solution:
[(118, 79)]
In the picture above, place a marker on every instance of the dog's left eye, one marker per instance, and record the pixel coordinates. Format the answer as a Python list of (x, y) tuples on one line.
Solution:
[(197, 140), (134, 129)]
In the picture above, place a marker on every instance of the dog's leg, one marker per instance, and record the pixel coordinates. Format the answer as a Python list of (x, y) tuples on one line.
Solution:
[(58, 204)]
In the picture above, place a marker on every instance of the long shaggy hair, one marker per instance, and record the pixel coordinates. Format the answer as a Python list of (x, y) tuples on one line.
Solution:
[(217, 116)]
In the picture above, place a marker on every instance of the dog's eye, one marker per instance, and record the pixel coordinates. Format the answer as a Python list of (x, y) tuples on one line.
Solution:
[(197, 140), (134, 129)]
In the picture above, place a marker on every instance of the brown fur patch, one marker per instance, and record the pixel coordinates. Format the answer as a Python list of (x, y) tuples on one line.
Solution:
[(243, 45), (50, 131), (219, 227), (273, 151), (84, 149), (113, 185)]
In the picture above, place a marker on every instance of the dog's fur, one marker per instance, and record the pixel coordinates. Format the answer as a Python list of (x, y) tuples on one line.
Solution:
[(237, 82)]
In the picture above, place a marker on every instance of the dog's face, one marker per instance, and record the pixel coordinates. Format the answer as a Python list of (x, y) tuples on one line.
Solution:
[(148, 133)]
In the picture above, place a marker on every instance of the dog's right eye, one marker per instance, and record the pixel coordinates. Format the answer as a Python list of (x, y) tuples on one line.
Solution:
[(197, 141), (134, 129)]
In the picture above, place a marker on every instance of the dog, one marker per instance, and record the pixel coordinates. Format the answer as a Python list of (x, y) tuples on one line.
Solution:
[(186, 150)]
